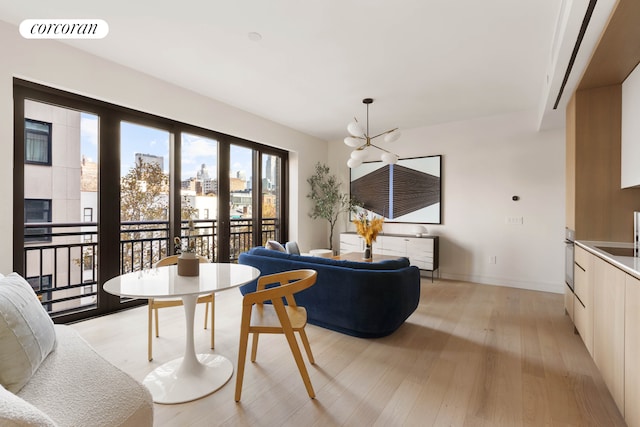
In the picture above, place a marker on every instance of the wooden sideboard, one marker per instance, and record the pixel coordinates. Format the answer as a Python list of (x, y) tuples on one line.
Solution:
[(421, 251)]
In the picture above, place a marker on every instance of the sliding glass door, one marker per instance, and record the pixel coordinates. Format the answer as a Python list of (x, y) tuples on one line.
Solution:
[(199, 191), (271, 198), (59, 199), (144, 195), (105, 190)]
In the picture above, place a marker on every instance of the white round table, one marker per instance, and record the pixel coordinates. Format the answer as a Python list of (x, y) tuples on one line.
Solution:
[(193, 375)]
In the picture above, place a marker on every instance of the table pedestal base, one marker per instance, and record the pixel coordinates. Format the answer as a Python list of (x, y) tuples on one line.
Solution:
[(178, 382)]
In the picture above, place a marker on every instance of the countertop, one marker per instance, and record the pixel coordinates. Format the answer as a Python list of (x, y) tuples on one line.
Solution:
[(628, 264)]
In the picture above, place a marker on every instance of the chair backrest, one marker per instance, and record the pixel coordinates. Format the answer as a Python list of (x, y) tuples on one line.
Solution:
[(173, 259), (285, 284)]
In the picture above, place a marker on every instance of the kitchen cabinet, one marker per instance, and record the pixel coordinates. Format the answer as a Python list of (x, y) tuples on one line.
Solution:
[(632, 351), (423, 252), (596, 207), (609, 327), (583, 299), (569, 302)]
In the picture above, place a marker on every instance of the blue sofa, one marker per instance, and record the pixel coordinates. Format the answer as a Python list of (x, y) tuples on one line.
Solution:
[(361, 299)]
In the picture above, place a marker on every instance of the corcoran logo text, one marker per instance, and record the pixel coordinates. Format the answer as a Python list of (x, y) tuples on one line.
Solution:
[(64, 28)]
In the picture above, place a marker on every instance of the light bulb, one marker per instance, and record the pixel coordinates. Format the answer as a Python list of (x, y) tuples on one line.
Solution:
[(389, 158), (392, 136), (353, 163), (358, 154), (352, 141), (355, 129)]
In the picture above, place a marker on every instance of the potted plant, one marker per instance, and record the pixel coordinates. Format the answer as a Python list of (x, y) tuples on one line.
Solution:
[(328, 201), (188, 262)]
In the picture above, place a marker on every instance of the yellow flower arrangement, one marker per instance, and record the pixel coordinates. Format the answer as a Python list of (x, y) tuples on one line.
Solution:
[(367, 228)]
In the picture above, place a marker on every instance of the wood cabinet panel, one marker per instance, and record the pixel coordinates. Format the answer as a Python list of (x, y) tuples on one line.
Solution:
[(615, 57), (422, 253), (608, 327), (596, 207), (581, 321), (569, 300), (581, 256), (583, 288), (391, 246), (570, 164), (632, 352), (351, 242), (582, 276)]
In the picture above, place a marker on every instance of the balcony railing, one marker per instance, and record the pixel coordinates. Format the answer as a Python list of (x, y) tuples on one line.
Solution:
[(60, 258)]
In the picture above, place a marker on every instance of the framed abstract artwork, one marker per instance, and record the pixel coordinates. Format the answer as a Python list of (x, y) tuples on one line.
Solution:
[(409, 191)]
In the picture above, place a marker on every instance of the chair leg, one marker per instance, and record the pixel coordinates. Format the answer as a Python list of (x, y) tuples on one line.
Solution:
[(157, 324), (254, 346), (293, 344), (206, 314), (150, 332), (242, 350), (307, 347)]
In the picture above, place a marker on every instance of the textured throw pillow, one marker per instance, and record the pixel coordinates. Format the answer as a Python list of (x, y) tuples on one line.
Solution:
[(273, 245), (27, 335), (18, 412), (292, 248)]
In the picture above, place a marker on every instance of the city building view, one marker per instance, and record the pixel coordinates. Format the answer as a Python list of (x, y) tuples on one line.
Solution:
[(61, 185)]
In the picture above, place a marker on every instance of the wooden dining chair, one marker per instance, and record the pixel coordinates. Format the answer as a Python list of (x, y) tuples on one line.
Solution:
[(276, 318), (157, 303)]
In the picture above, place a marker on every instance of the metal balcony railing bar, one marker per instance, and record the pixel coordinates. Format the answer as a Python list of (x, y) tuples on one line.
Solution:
[(73, 267)]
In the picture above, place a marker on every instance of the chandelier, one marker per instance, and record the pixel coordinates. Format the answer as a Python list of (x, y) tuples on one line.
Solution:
[(361, 141)]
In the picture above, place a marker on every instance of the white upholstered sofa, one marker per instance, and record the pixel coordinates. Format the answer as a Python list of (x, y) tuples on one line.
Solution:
[(50, 376)]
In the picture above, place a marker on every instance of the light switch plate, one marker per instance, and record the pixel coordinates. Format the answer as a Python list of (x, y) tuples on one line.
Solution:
[(515, 220)]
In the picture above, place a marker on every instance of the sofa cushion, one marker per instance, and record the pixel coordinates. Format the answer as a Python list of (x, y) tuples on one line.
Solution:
[(76, 386), (389, 264), (292, 248), (275, 246), (27, 335), (17, 412)]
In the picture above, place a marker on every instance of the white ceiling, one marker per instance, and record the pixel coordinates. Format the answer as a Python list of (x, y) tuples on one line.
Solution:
[(423, 61)]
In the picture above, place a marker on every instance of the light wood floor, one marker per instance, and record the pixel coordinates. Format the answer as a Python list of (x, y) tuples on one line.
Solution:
[(471, 355)]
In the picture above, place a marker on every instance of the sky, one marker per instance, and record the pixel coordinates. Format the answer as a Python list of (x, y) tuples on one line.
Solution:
[(135, 138)]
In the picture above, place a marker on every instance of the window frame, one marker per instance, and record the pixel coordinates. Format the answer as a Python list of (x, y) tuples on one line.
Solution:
[(84, 215), (34, 131), (47, 230), (108, 232)]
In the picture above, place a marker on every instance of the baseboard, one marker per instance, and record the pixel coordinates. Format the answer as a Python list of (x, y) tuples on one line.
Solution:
[(556, 288)]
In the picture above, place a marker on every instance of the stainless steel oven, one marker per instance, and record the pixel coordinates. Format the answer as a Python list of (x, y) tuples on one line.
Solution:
[(569, 241)]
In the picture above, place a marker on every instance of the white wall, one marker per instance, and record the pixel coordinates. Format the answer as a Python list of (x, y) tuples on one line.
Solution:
[(57, 65), (486, 162)]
